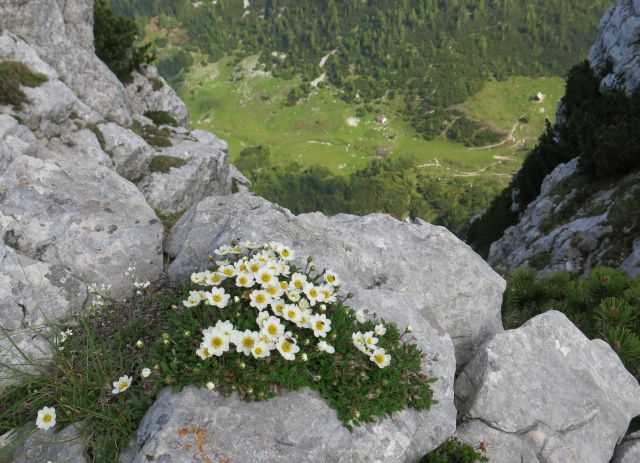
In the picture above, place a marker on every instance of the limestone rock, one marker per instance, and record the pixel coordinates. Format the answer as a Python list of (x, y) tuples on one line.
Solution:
[(631, 265), (15, 140), (629, 449), (547, 390), (237, 180), (150, 92), (81, 146), (616, 46), (62, 34), (84, 218), (205, 173), (418, 260), (130, 154), (43, 446), (270, 431)]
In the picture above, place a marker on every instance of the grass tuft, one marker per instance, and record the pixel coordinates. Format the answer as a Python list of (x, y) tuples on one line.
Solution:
[(13, 75)]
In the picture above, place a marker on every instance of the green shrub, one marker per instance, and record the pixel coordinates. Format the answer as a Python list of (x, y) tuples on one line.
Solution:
[(114, 39), (604, 304), (13, 75), (161, 117), (164, 164), (454, 451)]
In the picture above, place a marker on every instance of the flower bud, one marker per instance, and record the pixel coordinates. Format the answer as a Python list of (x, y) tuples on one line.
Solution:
[(140, 344), (211, 385), (166, 342), (313, 268), (317, 377), (187, 334), (309, 259), (409, 329), (242, 365), (249, 390)]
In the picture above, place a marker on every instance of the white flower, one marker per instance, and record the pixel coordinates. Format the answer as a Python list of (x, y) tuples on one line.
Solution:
[(68, 332), (227, 270), (266, 277), (327, 293), (247, 341), (272, 328), (198, 278), (218, 297), (223, 250), (254, 266), (216, 341), (304, 357), (203, 352), (244, 280), (261, 318), (320, 325), (145, 372), (380, 330), (331, 278), (358, 341), (370, 340), (121, 385), (141, 285), (46, 418), (211, 385), (226, 327), (260, 350), (287, 349), (298, 280), (409, 329), (292, 313), (278, 307), (323, 346), (303, 304), (260, 299), (380, 358), (285, 252), (305, 318), (249, 245), (294, 296), (360, 317), (213, 278), (313, 293), (193, 300), (274, 290)]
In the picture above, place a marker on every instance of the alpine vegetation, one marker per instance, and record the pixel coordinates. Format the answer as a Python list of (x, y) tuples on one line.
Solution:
[(252, 324)]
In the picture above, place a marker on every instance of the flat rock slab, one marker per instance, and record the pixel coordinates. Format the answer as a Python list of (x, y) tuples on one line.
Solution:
[(547, 390), (424, 262), (86, 219)]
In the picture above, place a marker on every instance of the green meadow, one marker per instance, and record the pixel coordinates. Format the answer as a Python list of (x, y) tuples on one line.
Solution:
[(247, 107)]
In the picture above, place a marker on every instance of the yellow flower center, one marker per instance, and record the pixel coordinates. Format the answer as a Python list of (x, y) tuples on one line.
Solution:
[(272, 329), (286, 346), (260, 298), (216, 342), (123, 386), (228, 272), (259, 350), (279, 308), (285, 253), (331, 278), (379, 358), (243, 280), (265, 277), (254, 267), (313, 292), (247, 342), (47, 418), (215, 278), (284, 285), (217, 298), (369, 340), (206, 352), (272, 289), (297, 283), (291, 314), (320, 325)]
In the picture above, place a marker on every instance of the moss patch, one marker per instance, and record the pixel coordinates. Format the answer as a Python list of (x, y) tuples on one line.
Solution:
[(13, 75), (152, 134), (162, 163), (99, 135), (161, 117)]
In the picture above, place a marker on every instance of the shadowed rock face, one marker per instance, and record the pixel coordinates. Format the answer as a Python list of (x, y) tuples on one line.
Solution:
[(423, 262), (545, 393)]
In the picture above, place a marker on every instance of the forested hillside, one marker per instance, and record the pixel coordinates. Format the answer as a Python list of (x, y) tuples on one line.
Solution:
[(434, 53)]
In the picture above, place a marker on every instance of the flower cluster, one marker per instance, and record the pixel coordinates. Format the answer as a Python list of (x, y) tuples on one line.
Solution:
[(367, 343), (62, 337), (280, 297), (99, 293)]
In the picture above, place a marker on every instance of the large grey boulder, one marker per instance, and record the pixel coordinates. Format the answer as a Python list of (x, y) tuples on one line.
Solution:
[(129, 152), (299, 426), (615, 48), (629, 450), (150, 92), (205, 172), (15, 140), (84, 218), (545, 390), (62, 35), (417, 260)]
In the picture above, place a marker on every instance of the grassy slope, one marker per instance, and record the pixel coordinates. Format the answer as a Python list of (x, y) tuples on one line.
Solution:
[(247, 108)]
